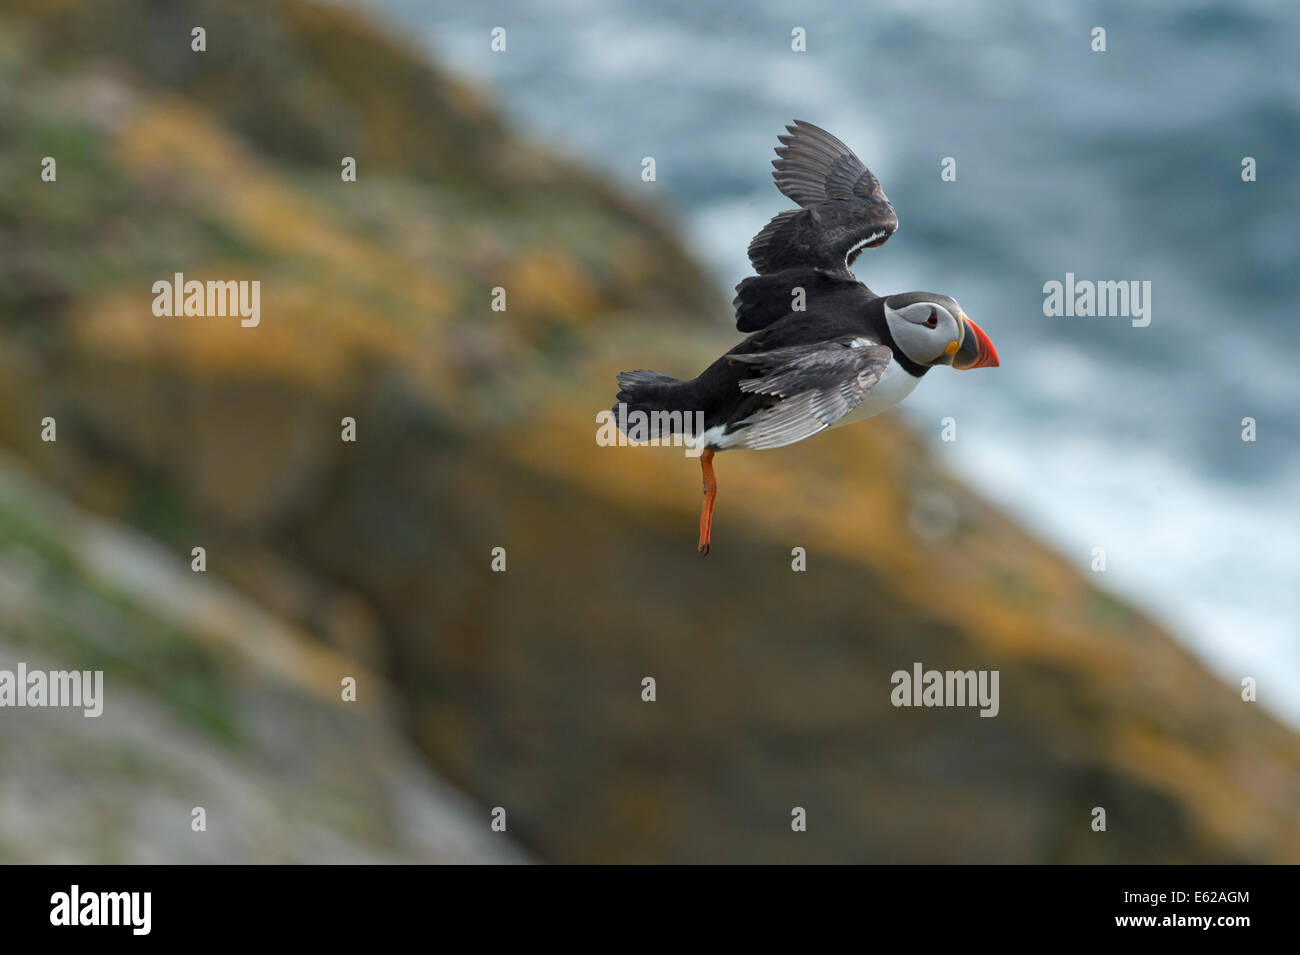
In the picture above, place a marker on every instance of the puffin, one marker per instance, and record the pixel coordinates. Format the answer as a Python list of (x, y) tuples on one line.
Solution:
[(823, 350)]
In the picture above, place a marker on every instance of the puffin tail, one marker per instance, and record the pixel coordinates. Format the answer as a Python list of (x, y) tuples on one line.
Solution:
[(660, 402)]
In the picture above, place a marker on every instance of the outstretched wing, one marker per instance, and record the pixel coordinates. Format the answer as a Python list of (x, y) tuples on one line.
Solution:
[(815, 384), (844, 210), (813, 166)]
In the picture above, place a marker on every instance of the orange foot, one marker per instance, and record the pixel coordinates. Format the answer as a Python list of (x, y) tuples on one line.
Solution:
[(710, 495)]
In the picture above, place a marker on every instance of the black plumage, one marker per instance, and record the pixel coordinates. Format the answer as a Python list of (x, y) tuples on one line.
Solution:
[(820, 340), (805, 251), (809, 353), (762, 299), (843, 209)]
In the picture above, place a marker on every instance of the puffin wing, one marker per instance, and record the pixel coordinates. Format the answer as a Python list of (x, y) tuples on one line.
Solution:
[(815, 385), (813, 166), (843, 209), (763, 299)]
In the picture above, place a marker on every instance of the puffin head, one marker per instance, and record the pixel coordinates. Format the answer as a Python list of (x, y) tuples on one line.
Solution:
[(931, 329)]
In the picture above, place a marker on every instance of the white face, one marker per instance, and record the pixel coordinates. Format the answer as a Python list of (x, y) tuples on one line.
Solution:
[(929, 333)]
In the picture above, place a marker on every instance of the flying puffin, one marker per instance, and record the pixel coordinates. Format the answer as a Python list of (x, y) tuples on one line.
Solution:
[(845, 355)]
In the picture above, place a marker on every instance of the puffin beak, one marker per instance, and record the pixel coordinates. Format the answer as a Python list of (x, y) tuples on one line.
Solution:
[(976, 350)]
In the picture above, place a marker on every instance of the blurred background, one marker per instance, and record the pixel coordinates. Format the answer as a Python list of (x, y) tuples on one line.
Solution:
[(475, 430)]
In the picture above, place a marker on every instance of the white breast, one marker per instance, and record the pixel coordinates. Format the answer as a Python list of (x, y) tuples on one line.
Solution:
[(894, 385)]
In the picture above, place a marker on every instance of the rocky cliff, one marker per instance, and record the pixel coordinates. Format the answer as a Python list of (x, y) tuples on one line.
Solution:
[(475, 430)]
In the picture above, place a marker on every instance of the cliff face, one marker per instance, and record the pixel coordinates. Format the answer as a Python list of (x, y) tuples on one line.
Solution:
[(207, 703), (475, 430)]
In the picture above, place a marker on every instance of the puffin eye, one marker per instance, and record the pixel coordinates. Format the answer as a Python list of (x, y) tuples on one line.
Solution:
[(933, 320)]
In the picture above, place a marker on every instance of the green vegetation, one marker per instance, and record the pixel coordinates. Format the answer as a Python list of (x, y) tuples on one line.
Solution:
[(475, 430)]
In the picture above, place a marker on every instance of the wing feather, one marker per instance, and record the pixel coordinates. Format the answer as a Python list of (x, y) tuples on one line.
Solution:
[(842, 207), (816, 386)]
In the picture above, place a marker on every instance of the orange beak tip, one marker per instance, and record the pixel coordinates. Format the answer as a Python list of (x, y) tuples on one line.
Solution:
[(986, 354)]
